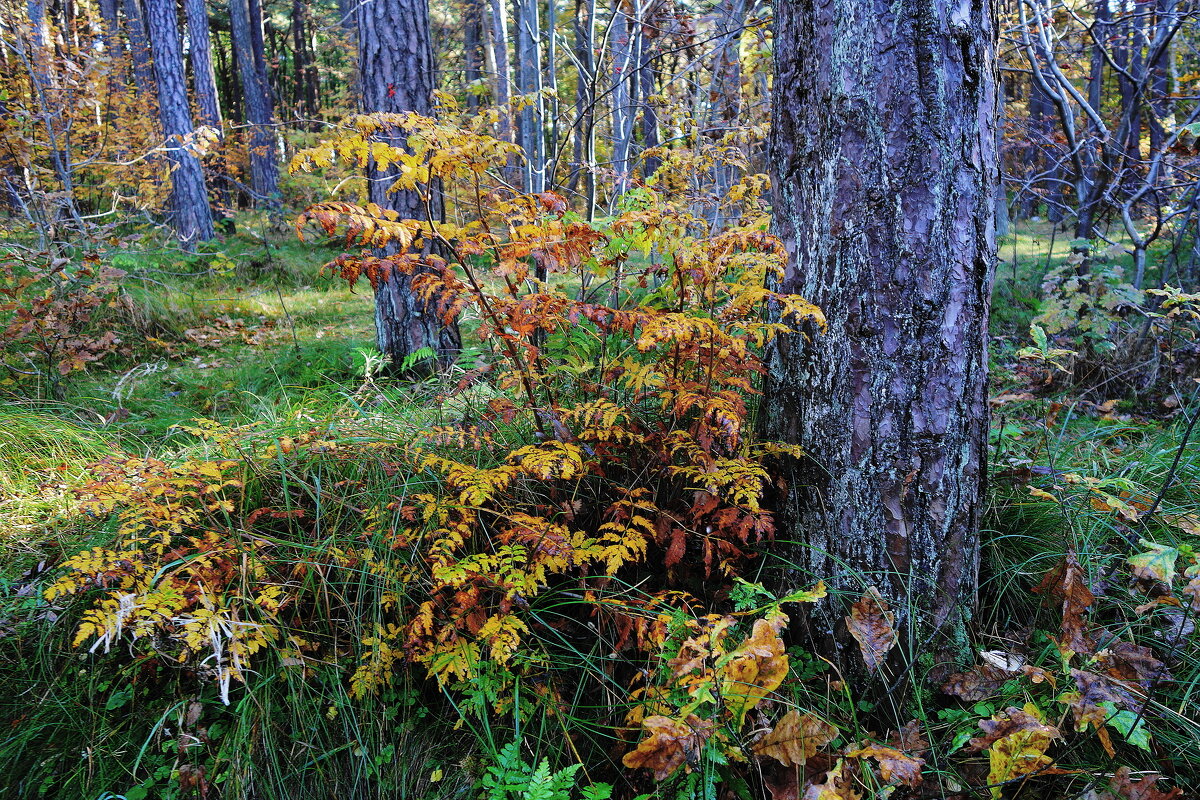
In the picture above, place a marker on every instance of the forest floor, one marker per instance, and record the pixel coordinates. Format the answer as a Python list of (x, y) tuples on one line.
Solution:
[(261, 339)]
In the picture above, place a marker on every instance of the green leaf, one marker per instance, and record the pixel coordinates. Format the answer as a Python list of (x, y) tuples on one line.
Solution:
[(1130, 725), (1157, 564)]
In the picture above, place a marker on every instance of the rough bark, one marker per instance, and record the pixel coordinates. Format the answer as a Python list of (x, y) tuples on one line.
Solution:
[(395, 59), (190, 213), (139, 47), (260, 111), (883, 148), (204, 80)]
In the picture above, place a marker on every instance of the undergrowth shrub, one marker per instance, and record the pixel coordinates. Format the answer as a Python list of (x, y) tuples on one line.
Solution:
[(560, 568), (50, 314), (1113, 339)]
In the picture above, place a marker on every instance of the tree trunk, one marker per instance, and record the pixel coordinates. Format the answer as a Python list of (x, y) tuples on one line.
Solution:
[(725, 102), (883, 145), (204, 80), (395, 59), (473, 50), (260, 112), (582, 161), (139, 47), (498, 32), (529, 83), (621, 46), (647, 66), (304, 70), (190, 213)]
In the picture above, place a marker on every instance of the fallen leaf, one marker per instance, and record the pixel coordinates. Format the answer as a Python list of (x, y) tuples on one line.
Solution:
[(1156, 564), (796, 738), (1067, 584), (1133, 663), (754, 670), (669, 744), (1016, 743), (978, 683), (873, 626), (1088, 702), (910, 738), (838, 785), (894, 766), (1123, 786)]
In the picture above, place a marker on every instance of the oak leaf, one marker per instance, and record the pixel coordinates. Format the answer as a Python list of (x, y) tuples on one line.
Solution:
[(669, 743), (1067, 584), (978, 683), (796, 738)]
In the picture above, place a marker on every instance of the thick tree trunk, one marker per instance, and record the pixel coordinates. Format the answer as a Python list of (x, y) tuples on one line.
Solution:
[(191, 215), (395, 59), (883, 147), (260, 112)]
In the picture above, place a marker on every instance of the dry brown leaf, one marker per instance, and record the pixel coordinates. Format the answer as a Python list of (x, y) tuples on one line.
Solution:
[(796, 738), (873, 626), (1133, 663), (894, 766), (976, 684), (1067, 584), (1123, 786), (911, 738), (669, 744)]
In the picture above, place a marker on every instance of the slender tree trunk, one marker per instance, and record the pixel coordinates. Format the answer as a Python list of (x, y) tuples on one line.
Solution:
[(529, 83), (395, 58), (473, 50), (648, 77), (260, 112), (191, 215), (304, 71), (883, 147), (139, 47), (204, 79), (725, 101), (582, 162), (621, 47)]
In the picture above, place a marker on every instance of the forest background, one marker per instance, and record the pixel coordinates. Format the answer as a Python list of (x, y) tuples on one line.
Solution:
[(509, 524)]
